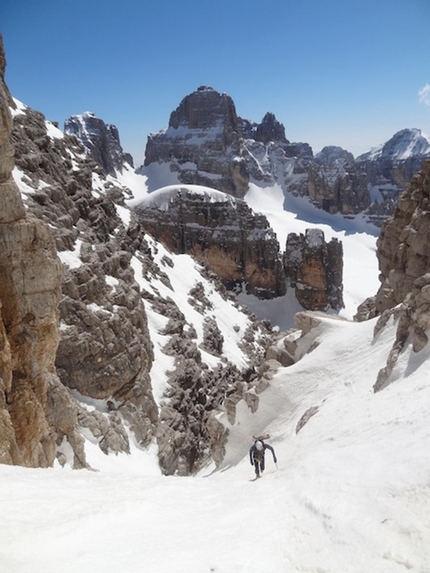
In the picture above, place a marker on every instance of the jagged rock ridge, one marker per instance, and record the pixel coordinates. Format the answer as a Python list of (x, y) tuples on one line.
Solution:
[(221, 232), (404, 261), (208, 144), (101, 141)]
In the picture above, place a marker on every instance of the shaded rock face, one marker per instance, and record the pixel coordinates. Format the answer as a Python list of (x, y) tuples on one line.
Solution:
[(270, 129), (101, 141), (30, 282), (314, 269), (403, 251), (335, 184), (236, 244), (404, 243), (202, 143)]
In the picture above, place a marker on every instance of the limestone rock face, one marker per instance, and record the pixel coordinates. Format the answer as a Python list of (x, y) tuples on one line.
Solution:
[(208, 144), (104, 351), (236, 244), (101, 141), (202, 143), (404, 243), (404, 262), (30, 283), (314, 268)]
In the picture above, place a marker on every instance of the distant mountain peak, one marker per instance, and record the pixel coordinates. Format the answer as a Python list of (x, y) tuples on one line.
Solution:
[(270, 129), (203, 109), (101, 141), (406, 143)]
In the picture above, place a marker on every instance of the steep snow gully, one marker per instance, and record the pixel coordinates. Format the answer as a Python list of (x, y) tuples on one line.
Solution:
[(350, 493)]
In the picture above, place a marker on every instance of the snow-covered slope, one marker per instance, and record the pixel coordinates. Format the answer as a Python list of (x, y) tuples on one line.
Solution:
[(404, 145), (350, 491)]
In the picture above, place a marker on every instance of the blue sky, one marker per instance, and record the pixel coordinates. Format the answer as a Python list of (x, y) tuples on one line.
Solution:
[(334, 72)]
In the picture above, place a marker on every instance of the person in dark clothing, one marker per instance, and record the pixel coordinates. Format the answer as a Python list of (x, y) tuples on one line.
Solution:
[(256, 456)]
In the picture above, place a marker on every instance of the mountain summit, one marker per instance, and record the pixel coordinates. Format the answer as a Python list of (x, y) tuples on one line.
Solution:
[(100, 140), (405, 144), (208, 143)]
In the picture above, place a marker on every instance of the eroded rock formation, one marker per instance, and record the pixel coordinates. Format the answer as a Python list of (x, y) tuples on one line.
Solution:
[(207, 143), (404, 263), (112, 274), (238, 245), (202, 143), (314, 269), (101, 141), (104, 352), (31, 395)]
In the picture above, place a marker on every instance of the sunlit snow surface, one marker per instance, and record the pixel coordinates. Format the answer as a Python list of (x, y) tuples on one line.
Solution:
[(350, 492)]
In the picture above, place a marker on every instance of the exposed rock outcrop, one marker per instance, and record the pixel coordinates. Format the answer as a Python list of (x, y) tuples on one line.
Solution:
[(113, 274), (270, 129), (238, 245), (314, 269), (100, 140), (404, 263), (202, 143), (208, 144), (105, 352), (404, 243), (32, 398), (391, 166)]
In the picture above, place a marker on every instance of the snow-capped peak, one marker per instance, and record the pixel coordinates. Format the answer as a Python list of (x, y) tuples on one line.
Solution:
[(403, 145)]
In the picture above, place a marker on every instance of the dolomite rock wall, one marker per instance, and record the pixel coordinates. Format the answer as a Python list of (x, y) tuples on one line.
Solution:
[(31, 395), (404, 263), (314, 269), (237, 245)]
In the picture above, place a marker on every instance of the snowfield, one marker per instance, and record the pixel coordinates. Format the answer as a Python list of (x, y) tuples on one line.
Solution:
[(350, 493)]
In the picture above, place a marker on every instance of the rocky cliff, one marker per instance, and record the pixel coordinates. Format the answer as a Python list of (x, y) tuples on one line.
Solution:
[(207, 143), (202, 143), (314, 269), (221, 232), (83, 333), (32, 398), (404, 263), (100, 140)]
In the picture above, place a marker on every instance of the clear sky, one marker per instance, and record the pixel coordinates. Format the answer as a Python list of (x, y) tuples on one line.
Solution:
[(334, 72)]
